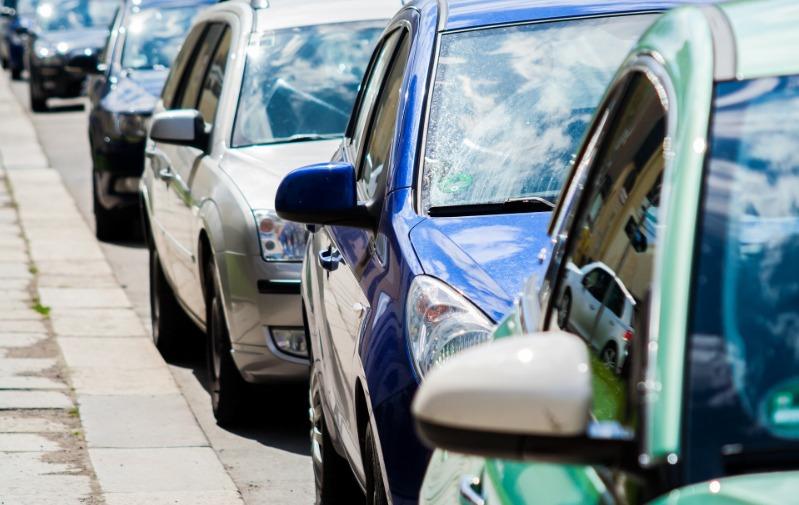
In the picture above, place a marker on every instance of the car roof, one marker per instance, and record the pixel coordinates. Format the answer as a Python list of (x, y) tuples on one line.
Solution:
[(145, 4), (464, 14), (767, 37), (292, 13)]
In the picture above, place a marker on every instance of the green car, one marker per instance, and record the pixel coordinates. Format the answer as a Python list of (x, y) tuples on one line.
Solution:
[(675, 245)]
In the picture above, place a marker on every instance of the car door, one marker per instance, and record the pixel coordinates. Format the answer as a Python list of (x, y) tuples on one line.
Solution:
[(179, 163), (623, 179), (347, 252)]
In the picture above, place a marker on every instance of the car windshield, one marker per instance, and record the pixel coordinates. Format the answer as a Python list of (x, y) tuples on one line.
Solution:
[(154, 35), (300, 83), (75, 14), (511, 104), (744, 334), (26, 7)]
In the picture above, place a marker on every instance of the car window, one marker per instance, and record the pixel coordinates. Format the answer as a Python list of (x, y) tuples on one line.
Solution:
[(214, 78), (107, 53), (596, 281), (377, 147), (371, 87), (63, 15), (153, 36), (511, 104), (193, 82), (623, 187), (181, 68), (282, 101)]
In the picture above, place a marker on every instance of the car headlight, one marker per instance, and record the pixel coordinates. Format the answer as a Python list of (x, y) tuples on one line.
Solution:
[(44, 50), (132, 125), (280, 240), (440, 323)]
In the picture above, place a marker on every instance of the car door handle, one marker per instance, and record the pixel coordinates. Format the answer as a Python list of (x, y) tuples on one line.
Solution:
[(469, 490), (329, 259), (166, 174)]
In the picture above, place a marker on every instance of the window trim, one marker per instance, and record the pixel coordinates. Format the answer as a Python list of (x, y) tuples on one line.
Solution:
[(195, 53), (226, 31), (177, 96)]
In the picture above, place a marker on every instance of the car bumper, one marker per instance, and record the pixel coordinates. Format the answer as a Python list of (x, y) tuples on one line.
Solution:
[(56, 81), (270, 303)]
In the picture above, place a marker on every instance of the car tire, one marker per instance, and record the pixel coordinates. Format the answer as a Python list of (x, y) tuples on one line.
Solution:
[(564, 310), (38, 99), (375, 489), (610, 355), (107, 225), (16, 74), (228, 388), (333, 477), (4, 63), (170, 325)]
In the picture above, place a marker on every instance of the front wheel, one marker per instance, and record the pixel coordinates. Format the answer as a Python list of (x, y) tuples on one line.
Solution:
[(170, 325), (610, 355), (16, 74), (228, 388), (38, 99), (334, 480), (375, 489)]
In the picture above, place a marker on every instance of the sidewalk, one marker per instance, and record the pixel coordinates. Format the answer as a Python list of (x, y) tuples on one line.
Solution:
[(89, 412)]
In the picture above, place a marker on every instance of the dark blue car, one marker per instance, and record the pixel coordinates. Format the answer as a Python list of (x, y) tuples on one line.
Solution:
[(435, 208), (127, 82), (19, 20)]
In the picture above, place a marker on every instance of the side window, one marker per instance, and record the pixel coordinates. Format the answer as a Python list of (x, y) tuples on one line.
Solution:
[(107, 54), (377, 147), (180, 65), (371, 88), (212, 88), (616, 225), (193, 82)]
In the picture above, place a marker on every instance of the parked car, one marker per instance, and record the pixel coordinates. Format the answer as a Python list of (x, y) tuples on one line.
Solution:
[(596, 305), (125, 85), (8, 10), (253, 92), (64, 29), (428, 221), (12, 44), (699, 131)]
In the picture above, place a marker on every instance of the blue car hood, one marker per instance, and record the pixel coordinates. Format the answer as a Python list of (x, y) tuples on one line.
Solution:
[(135, 91), (486, 258)]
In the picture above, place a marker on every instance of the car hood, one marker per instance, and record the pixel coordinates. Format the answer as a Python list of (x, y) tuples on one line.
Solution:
[(773, 488), (77, 39), (486, 258), (258, 170), (135, 91)]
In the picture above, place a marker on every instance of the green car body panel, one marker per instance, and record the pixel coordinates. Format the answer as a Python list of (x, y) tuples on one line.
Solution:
[(681, 41)]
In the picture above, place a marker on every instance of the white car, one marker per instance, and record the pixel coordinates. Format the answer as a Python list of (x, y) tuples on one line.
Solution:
[(256, 90), (595, 302)]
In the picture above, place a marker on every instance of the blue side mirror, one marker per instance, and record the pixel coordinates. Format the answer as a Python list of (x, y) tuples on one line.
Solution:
[(322, 194)]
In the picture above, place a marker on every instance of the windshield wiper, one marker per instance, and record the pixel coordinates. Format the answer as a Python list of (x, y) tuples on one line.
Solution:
[(306, 137), (510, 206)]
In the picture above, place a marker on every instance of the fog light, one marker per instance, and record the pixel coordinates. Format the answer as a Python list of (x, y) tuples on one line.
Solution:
[(290, 340), (126, 185)]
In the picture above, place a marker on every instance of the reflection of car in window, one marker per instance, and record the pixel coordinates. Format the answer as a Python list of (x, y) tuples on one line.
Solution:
[(596, 305)]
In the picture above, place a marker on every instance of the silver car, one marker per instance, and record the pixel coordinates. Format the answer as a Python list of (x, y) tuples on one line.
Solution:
[(254, 92)]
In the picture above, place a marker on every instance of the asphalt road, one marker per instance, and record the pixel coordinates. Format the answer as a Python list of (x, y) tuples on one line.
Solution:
[(268, 456)]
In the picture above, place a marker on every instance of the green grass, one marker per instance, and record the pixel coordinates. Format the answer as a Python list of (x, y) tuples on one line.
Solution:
[(41, 309)]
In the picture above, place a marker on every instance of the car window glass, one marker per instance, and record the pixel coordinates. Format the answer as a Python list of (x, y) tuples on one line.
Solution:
[(153, 36), (108, 49), (214, 78), (615, 226), (381, 133), (371, 87), (193, 82), (180, 65)]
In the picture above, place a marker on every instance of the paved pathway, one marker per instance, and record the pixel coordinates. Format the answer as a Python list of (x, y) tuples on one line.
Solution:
[(89, 413)]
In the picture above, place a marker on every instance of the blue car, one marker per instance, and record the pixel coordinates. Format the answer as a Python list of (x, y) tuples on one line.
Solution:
[(435, 209), (20, 20)]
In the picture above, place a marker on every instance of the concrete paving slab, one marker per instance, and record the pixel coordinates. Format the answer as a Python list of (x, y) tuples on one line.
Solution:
[(139, 421), (14, 295), (10, 254), (23, 400), (19, 312), (12, 367), (93, 322), (174, 498), (76, 281), (121, 354), (10, 423), (72, 250), (25, 474), (58, 267), (113, 381), (50, 498), (15, 340), (25, 442), (14, 284), (14, 270), (85, 298), (22, 326), (186, 470), (29, 383)]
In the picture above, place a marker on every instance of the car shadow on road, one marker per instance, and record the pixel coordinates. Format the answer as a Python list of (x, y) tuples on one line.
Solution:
[(60, 108), (275, 416)]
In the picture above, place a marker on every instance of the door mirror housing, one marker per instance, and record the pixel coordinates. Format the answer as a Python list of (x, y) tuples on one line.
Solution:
[(323, 194), (520, 398), (7, 12), (184, 127), (87, 64)]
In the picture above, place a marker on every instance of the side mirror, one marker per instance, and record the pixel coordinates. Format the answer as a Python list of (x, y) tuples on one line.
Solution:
[(85, 63), (524, 397), (7, 12), (322, 194), (184, 127)]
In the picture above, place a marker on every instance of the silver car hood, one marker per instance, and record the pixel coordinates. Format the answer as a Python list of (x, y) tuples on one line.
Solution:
[(258, 170)]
